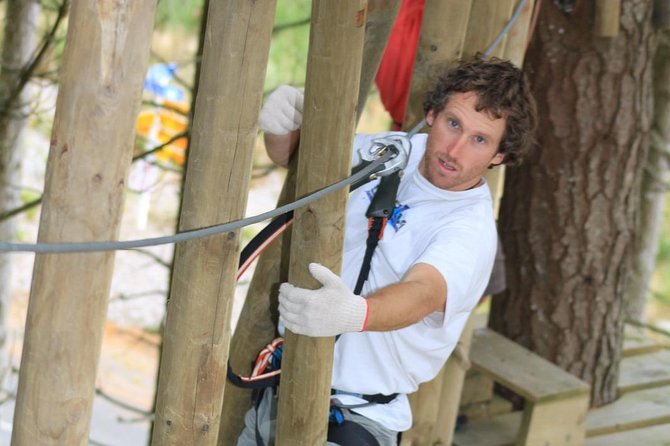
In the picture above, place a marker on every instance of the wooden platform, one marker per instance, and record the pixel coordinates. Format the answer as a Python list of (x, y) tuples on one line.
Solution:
[(640, 417)]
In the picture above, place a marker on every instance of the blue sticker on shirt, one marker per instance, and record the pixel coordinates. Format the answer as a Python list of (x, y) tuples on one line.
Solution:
[(397, 219)]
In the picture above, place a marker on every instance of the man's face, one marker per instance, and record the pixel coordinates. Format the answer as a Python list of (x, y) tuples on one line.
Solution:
[(462, 143)]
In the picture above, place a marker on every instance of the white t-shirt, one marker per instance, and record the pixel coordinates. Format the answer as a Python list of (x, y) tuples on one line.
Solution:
[(452, 231)]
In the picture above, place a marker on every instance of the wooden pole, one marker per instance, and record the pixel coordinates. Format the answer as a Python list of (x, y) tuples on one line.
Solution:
[(105, 59), (258, 319), (440, 44), (607, 18), (513, 48), (257, 324), (454, 373), (453, 378), (331, 93), (487, 20), (197, 331), (381, 17)]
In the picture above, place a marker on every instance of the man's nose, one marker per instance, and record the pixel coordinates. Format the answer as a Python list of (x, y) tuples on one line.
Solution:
[(457, 146)]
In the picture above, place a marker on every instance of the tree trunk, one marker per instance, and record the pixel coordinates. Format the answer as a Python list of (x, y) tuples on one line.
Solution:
[(568, 215), (655, 181), (18, 45)]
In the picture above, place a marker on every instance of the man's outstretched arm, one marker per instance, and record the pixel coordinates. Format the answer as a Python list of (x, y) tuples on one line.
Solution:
[(333, 309)]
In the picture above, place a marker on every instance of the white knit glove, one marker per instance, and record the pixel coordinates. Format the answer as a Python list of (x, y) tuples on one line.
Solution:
[(329, 311), (282, 111)]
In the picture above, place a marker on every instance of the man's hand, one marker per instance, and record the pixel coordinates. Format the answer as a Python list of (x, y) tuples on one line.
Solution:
[(329, 311), (282, 112)]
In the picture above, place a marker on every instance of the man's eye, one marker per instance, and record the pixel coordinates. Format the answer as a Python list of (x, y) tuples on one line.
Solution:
[(480, 139), (452, 123)]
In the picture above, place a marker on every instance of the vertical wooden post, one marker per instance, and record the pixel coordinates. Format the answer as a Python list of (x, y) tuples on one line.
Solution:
[(487, 19), (257, 323), (453, 378), (440, 44), (105, 59), (331, 93), (197, 332), (607, 18), (512, 48), (381, 17)]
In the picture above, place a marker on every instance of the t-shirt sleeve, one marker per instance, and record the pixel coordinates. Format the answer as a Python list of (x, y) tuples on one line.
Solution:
[(463, 252)]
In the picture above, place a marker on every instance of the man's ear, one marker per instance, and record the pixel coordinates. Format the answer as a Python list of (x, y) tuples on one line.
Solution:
[(497, 159), (430, 118)]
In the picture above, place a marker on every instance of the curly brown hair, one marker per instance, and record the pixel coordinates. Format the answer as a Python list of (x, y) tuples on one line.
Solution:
[(503, 92)]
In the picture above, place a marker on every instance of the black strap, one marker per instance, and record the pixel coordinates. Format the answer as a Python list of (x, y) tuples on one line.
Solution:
[(350, 433), (380, 210), (375, 232), (378, 398), (258, 384)]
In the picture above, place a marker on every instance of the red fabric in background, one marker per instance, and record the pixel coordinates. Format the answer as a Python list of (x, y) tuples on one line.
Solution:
[(395, 69)]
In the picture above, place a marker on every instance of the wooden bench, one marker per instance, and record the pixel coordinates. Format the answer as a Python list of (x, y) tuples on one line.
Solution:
[(556, 402)]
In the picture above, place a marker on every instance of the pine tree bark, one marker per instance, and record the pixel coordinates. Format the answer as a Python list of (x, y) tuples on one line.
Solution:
[(568, 214)]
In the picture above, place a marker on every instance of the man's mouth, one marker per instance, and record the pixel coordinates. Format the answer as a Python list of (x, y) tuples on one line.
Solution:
[(447, 166)]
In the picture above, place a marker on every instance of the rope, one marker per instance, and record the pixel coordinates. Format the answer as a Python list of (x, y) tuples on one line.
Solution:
[(65, 247), (505, 29)]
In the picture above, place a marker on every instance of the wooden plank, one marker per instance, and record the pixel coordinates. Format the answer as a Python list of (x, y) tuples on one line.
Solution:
[(644, 371), (331, 92), (497, 431), (637, 341), (649, 436), (105, 58), (630, 411), (497, 405), (554, 422), (477, 388), (523, 372)]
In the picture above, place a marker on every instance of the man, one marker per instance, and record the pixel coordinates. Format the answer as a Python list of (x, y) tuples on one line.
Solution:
[(434, 260)]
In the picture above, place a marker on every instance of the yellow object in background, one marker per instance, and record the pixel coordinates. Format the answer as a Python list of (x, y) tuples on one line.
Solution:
[(159, 125)]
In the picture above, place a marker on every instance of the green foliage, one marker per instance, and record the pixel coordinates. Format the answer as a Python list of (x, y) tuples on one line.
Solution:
[(184, 14), (288, 51), (28, 196)]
